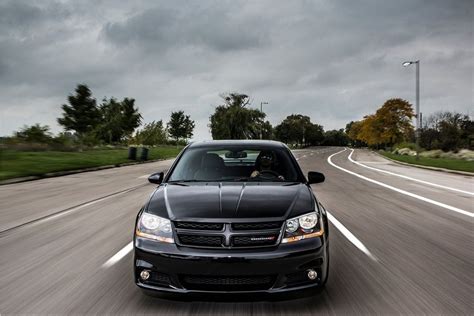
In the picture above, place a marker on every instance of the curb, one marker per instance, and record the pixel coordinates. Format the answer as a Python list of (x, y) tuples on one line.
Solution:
[(464, 173), (69, 172)]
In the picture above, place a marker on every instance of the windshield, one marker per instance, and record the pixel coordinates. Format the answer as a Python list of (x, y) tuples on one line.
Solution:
[(234, 163)]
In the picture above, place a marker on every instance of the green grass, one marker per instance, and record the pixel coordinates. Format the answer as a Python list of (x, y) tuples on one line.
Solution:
[(14, 164), (447, 163)]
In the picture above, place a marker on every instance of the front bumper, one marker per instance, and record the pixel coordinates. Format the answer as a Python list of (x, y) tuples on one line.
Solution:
[(191, 270)]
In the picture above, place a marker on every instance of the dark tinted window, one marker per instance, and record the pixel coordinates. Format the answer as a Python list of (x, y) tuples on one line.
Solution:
[(235, 163)]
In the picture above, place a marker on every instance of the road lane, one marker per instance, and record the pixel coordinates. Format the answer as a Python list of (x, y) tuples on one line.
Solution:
[(424, 258), (462, 182), (399, 189), (23, 202), (461, 201), (399, 174)]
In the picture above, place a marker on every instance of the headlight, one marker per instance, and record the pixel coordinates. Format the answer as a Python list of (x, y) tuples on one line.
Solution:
[(302, 227), (154, 227)]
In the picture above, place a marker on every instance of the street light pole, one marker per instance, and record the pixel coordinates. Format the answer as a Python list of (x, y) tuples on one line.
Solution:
[(417, 115), (261, 110)]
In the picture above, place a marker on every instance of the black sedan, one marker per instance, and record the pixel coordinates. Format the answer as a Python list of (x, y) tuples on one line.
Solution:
[(232, 216)]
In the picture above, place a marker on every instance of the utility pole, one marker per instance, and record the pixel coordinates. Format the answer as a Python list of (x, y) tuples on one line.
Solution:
[(261, 127), (417, 115)]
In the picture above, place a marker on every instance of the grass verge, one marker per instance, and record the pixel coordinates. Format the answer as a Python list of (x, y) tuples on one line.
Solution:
[(447, 163), (15, 164)]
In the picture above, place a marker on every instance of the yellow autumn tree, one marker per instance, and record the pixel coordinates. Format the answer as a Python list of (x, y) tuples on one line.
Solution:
[(394, 119), (390, 124)]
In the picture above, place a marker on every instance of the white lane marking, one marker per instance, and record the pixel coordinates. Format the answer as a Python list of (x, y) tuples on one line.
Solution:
[(406, 177), (119, 255), (353, 239), (70, 211), (60, 214), (416, 196), (144, 176)]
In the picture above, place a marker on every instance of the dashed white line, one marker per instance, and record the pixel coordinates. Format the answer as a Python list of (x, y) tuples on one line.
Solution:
[(353, 239), (416, 196), (119, 255), (406, 177)]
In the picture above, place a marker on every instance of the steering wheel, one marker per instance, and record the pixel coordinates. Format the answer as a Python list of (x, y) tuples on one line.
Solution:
[(273, 174)]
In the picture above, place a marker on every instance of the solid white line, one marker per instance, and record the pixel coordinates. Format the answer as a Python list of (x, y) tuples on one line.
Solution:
[(408, 178), (416, 196), (353, 239), (119, 255)]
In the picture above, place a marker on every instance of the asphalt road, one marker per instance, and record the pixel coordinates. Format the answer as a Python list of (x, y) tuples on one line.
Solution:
[(401, 241)]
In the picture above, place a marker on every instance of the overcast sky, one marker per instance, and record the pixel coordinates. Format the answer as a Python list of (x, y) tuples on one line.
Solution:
[(334, 61)]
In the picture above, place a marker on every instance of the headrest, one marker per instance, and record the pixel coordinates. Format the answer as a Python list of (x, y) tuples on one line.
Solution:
[(212, 161)]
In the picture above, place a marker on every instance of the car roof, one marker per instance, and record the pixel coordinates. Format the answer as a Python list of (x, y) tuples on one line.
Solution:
[(238, 142)]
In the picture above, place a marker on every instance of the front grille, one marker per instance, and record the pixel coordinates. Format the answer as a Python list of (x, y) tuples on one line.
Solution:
[(222, 235), (254, 240), (199, 226), (201, 240), (256, 226), (228, 283)]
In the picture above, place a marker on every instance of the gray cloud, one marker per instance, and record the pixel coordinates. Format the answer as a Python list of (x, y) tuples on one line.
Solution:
[(216, 28), (332, 60)]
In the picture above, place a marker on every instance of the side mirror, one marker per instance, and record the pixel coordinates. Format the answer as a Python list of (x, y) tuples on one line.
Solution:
[(156, 177), (315, 177)]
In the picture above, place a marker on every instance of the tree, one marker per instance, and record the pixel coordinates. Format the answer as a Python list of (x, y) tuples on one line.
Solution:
[(34, 134), (297, 129), (118, 120), (82, 114), (131, 117), (234, 120), (447, 131), (152, 134), (370, 131), (390, 124), (352, 131), (335, 138), (313, 134), (393, 121), (267, 130), (180, 126)]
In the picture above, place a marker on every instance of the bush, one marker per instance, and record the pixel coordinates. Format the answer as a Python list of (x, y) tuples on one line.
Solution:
[(408, 145), (406, 152), (437, 153), (466, 154), (463, 154)]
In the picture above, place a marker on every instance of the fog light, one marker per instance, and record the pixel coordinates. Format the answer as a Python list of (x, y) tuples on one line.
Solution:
[(312, 275), (145, 275)]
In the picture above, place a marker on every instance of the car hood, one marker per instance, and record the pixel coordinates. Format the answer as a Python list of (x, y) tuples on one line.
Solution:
[(217, 201)]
